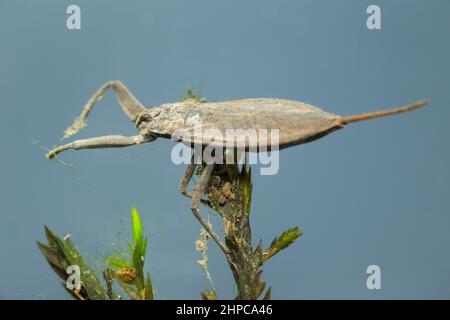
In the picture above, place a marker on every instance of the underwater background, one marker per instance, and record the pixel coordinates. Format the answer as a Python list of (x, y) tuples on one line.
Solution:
[(376, 193)]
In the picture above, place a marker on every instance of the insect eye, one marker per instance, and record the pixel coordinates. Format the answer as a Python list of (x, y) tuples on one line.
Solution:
[(142, 118)]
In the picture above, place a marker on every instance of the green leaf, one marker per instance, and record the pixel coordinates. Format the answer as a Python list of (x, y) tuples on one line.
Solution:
[(283, 241), (130, 246), (258, 250), (209, 295), (259, 288), (114, 261), (191, 95), (144, 247), (88, 276), (138, 251), (247, 187), (52, 257), (61, 253), (138, 261), (51, 237), (137, 225), (148, 293)]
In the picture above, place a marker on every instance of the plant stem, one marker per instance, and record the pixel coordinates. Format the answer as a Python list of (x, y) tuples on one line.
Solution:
[(230, 194)]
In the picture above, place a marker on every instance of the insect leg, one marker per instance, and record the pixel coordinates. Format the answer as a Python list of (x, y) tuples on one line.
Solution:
[(185, 182), (130, 105), (113, 141), (199, 189), (187, 177)]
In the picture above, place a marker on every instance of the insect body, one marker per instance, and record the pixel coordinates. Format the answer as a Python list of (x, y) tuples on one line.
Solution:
[(296, 123)]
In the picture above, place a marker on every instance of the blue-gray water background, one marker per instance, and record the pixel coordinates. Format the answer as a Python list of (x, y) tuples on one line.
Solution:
[(374, 193)]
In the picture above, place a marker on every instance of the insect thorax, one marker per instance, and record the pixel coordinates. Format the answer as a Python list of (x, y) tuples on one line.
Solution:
[(169, 117)]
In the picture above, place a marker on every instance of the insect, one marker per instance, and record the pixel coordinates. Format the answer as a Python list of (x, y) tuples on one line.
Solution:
[(296, 123)]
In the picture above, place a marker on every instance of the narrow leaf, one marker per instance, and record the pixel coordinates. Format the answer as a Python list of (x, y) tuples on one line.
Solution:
[(51, 237), (258, 252), (259, 288), (138, 262), (61, 253), (148, 293), (283, 241), (137, 225), (247, 187), (116, 262)]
